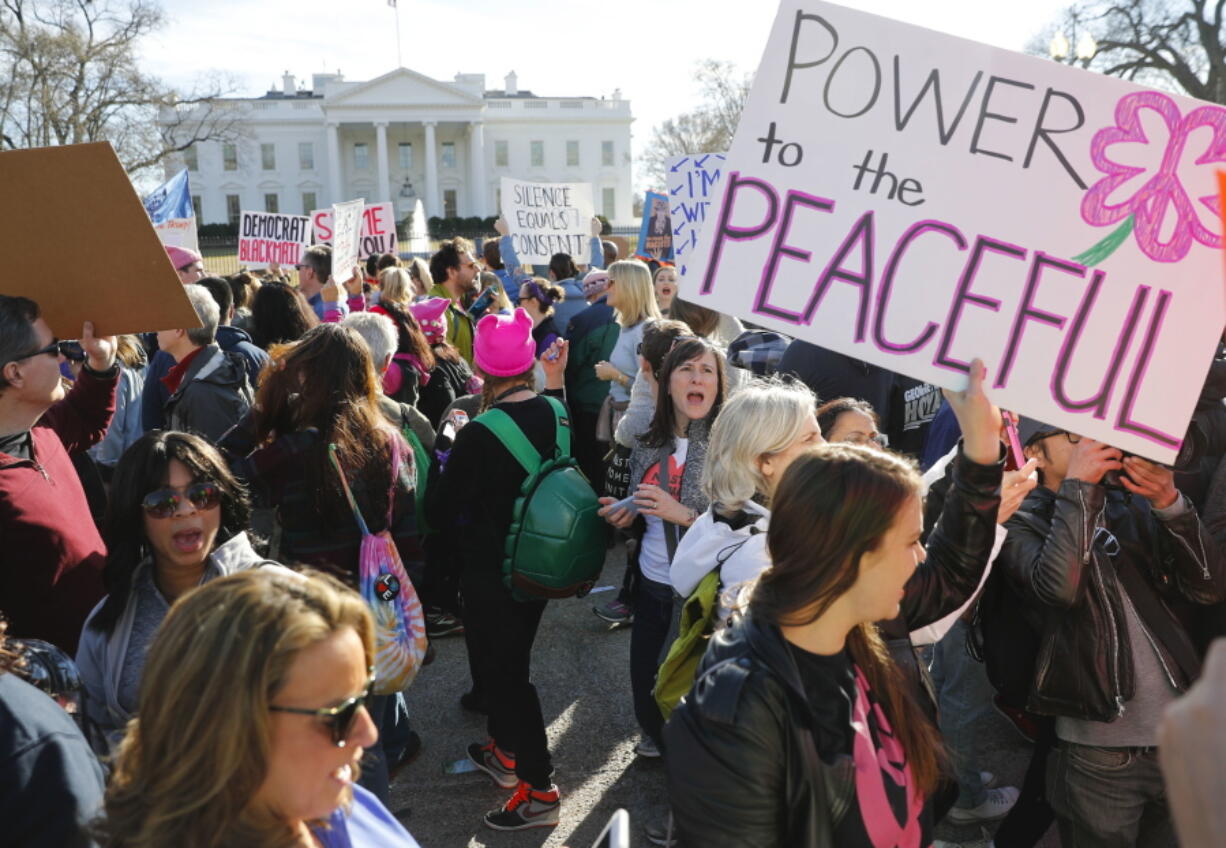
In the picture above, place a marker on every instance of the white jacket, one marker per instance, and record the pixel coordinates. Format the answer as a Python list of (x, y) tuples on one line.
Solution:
[(739, 555)]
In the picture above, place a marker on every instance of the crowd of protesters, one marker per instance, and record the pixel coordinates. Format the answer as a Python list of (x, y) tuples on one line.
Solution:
[(831, 572)]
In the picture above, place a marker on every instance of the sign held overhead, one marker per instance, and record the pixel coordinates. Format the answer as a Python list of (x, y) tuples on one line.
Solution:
[(917, 200)]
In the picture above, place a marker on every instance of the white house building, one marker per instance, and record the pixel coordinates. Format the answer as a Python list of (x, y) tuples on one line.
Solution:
[(404, 136)]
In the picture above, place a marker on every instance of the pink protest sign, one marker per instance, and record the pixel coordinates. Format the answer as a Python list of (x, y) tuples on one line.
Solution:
[(916, 200), (378, 234)]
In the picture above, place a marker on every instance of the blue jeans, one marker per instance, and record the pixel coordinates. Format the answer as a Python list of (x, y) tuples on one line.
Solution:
[(374, 761), (1108, 797), (964, 695), (653, 614)]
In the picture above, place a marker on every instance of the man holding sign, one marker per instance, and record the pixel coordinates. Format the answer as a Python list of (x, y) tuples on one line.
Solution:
[(1098, 570), (51, 573)]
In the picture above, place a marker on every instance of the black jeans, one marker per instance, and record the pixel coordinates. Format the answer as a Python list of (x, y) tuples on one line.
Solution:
[(499, 632), (588, 452), (1108, 797), (653, 614)]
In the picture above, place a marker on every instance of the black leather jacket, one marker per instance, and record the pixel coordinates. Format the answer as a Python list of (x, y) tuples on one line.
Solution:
[(1058, 558), (742, 763)]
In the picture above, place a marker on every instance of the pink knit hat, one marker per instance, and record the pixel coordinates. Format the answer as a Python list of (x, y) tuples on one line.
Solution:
[(431, 314), (181, 257), (596, 282), (504, 345)]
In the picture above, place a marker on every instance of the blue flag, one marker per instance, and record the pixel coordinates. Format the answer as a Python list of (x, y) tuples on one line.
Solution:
[(171, 200)]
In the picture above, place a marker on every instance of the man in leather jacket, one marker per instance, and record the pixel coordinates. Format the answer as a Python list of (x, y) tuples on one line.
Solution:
[(1107, 555)]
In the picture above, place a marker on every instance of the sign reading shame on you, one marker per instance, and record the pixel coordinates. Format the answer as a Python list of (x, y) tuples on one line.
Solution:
[(547, 218), (916, 200)]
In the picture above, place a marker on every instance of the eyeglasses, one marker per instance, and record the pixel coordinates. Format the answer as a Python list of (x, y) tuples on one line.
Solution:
[(56, 348), (339, 718), (1072, 438), (879, 439), (164, 503)]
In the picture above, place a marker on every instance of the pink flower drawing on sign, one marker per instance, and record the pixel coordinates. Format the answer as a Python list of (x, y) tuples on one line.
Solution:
[(1148, 158)]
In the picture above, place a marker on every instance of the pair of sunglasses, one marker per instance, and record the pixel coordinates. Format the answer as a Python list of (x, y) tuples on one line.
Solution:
[(338, 719), (164, 503), (68, 348)]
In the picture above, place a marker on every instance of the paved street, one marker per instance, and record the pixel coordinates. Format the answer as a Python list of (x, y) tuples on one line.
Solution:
[(581, 670)]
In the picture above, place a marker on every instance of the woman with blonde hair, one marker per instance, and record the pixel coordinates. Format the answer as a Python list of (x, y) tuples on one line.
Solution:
[(758, 433), (419, 273), (252, 722), (414, 360), (633, 299)]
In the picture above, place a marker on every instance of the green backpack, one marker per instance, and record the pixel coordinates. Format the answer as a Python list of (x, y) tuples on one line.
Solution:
[(555, 546), (676, 675)]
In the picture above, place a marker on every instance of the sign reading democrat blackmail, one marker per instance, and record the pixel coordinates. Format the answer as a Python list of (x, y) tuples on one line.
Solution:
[(692, 183), (378, 234), (547, 218), (265, 237), (917, 200)]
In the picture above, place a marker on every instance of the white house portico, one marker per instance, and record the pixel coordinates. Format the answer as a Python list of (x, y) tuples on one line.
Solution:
[(404, 136)]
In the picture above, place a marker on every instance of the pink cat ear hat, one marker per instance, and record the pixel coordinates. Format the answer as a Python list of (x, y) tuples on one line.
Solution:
[(504, 346), (431, 315)]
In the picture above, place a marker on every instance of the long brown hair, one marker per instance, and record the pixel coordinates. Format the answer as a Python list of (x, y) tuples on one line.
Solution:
[(701, 321), (494, 386), (686, 349), (410, 338), (833, 505), (327, 381), (188, 770)]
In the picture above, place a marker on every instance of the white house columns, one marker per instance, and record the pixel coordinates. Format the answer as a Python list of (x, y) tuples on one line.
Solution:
[(476, 168), (334, 162), (431, 199), (383, 188)]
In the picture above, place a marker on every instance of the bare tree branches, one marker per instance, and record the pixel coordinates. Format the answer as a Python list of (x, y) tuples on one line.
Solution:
[(68, 75), (1172, 44), (707, 129)]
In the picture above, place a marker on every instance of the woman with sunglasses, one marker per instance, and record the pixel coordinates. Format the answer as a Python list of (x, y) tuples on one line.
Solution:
[(634, 303), (254, 722), (177, 519), (538, 298)]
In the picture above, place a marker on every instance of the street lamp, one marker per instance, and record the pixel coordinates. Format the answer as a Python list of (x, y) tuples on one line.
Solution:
[(1059, 48)]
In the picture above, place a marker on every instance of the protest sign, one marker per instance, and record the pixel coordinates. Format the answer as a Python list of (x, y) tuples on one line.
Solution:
[(266, 237), (170, 209), (916, 200), (656, 231), (346, 230), (692, 182), (126, 284), (378, 233), (547, 218)]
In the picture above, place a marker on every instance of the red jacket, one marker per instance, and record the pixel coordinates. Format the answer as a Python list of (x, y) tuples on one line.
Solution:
[(51, 554)]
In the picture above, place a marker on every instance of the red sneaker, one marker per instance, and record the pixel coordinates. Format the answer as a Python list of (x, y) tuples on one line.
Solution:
[(527, 808)]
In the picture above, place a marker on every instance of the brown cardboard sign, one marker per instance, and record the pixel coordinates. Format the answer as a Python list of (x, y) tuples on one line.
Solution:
[(76, 239)]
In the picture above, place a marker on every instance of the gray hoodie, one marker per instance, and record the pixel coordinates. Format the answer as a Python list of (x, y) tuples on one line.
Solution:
[(101, 657)]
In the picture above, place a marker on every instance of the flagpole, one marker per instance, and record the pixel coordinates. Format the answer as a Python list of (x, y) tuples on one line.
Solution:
[(399, 58)]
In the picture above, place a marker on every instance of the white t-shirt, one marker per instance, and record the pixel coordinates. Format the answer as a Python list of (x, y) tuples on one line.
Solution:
[(653, 557)]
